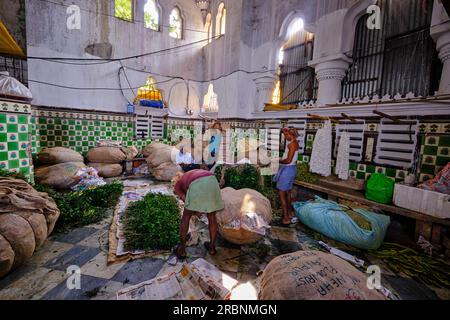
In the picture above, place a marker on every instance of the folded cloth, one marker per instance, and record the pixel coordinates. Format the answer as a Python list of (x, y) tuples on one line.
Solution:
[(204, 196), (285, 177)]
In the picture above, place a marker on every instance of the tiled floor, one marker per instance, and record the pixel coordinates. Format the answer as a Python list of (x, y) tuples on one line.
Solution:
[(45, 275)]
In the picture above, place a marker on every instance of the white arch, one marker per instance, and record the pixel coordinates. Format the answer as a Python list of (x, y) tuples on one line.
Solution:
[(289, 20), (354, 13)]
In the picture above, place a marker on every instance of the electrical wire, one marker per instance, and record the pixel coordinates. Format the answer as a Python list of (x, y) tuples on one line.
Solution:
[(103, 60), (113, 16)]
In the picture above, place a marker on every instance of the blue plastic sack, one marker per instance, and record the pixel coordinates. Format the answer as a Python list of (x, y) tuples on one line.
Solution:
[(151, 103), (328, 218)]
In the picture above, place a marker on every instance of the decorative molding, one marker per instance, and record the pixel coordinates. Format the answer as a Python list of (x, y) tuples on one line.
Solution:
[(331, 74), (14, 107)]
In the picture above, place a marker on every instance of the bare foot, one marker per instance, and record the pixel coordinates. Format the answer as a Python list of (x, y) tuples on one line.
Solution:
[(212, 250), (181, 252)]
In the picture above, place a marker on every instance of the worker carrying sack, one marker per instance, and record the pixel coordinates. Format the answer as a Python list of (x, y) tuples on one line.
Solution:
[(356, 227), (380, 188), (58, 155), (246, 216), (314, 275)]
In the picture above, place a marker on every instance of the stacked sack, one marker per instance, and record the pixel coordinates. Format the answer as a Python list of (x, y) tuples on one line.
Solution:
[(58, 167), (161, 161), (246, 216), (107, 159), (27, 218)]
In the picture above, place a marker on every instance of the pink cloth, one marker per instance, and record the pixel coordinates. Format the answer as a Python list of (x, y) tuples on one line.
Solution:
[(441, 183)]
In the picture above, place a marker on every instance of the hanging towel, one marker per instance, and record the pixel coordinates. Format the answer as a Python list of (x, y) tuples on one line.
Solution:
[(343, 157), (321, 153)]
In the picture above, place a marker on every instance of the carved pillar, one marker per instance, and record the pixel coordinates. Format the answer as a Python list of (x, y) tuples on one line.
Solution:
[(330, 74), (441, 35), (264, 89)]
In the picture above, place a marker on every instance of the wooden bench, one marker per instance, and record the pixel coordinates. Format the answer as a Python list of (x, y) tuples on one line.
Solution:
[(429, 227)]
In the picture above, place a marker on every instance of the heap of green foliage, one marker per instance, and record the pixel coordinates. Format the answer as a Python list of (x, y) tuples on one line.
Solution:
[(12, 174), (303, 174), (248, 176), (83, 207), (152, 223)]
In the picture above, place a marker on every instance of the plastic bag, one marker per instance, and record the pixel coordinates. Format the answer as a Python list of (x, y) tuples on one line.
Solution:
[(13, 87), (89, 178), (328, 218), (380, 188)]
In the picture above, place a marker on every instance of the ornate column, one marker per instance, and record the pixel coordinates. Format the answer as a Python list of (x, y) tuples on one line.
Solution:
[(264, 89), (330, 73), (441, 35)]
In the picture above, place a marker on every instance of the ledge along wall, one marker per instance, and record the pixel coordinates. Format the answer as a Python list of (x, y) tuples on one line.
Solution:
[(25, 130)]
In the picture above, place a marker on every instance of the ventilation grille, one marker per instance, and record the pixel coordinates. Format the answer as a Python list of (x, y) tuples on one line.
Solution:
[(397, 143), (356, 132), (157, 127), (142, 126), (273, 135)]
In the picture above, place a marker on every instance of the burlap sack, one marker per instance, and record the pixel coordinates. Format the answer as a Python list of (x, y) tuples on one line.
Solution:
[(107, 170), (20, 236), (165, 171), (158, 153), (130, 153), (6, 256), (38, 224), (239, 203), (106, 155), (59, 176), (18, 196), (58, 155), (314, 275)]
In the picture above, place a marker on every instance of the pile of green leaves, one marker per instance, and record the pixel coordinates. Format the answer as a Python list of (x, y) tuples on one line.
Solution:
[(244, 176), (152, 223), (84, 207), (303, 174), (12, 174), (417, 265)]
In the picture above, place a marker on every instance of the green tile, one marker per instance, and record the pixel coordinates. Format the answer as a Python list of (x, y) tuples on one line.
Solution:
[(23, 136), (12, 128), (13, 164), (13, 146), (22, 119), (391, 172), (3, 156), (430, 150), (427, 169), (360, 175), (370, 169), (353, 166), (442, 161)]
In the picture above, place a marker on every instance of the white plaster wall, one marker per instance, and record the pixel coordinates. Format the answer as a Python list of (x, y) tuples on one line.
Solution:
[(48, 37)]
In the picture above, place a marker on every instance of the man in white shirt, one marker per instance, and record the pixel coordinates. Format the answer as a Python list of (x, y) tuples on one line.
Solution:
[(185, 160)]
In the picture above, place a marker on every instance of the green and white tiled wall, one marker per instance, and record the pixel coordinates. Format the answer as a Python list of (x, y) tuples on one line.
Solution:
[(21, 128), (15, 138)]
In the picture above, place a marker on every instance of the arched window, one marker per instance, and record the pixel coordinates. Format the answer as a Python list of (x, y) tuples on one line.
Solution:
[(297, 80), (400, 57), (208, 27), (221, 19), (151, 15), (210, 103), (276, 95), (176, 24), (124, 9)]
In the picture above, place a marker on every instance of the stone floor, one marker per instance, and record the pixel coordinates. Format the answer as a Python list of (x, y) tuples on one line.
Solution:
[(45, 275)]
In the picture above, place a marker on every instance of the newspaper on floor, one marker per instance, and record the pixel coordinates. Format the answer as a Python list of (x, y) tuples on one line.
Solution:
[(199, 280)]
